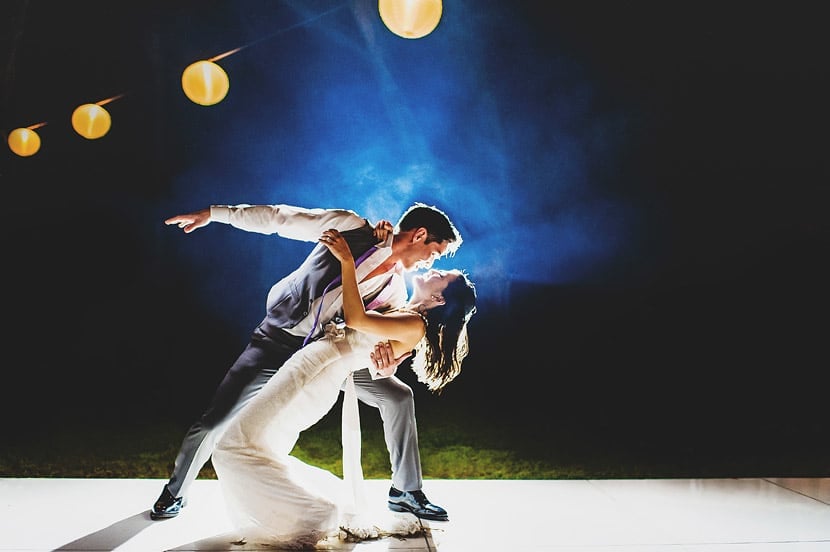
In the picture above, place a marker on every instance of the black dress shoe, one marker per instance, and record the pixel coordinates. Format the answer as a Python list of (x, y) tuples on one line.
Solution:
[(167, 506), (415, 502)]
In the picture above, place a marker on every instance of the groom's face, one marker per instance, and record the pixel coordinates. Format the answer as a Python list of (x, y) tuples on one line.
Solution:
[(417, 254)]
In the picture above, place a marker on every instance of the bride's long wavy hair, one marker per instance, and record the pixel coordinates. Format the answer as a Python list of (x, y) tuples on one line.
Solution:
[(438, 356)]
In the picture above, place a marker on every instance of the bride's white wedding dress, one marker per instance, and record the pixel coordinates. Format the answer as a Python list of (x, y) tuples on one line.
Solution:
[(271, 496)]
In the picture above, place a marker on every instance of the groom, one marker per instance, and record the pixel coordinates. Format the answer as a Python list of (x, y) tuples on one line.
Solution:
[(297, 308)]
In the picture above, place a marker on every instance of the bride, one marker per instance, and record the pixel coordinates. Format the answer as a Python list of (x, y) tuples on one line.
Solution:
[(274, 498)]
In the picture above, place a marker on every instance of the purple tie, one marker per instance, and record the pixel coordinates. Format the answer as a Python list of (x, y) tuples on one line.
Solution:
[(334, 282)]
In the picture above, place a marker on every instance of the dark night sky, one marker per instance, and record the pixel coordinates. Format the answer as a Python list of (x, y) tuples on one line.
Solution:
[(642, 188)]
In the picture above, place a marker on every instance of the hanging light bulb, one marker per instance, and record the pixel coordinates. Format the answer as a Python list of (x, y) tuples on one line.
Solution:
[(91, 121), (205, 83), (24, 142), (410, 18)]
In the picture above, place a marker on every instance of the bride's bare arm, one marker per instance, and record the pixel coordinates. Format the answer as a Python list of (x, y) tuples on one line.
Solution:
[(403, 330)]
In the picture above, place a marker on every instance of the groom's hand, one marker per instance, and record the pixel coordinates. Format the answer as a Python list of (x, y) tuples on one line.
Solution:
[(190, 221), (382, 230), (383, 361)]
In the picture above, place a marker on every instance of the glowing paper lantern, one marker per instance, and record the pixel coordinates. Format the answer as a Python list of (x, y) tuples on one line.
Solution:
[(205, 83), (24, 142), (410, 18), (91, 121)]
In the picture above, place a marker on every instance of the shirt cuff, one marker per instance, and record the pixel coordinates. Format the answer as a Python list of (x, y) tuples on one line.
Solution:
[(220, 213)]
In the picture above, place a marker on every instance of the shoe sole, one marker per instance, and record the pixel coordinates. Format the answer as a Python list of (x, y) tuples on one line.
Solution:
[(156, 516), (395, 507)]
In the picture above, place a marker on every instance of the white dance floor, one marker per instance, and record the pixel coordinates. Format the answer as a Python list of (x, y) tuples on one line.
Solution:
[(676, 515)]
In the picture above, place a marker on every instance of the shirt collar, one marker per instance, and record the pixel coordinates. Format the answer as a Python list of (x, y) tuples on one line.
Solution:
[(384, 251)]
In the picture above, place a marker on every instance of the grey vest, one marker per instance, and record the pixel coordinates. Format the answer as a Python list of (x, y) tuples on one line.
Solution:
[(290, 299)]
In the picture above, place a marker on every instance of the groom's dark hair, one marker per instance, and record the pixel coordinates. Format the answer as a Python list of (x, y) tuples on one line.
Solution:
[(438, 225)]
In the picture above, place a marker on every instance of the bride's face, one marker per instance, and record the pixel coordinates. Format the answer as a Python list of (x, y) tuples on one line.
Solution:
[(432, 282)]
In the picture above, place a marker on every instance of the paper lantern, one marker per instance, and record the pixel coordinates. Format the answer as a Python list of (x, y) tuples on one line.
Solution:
[(205, 83), (24, 142), (410, 18), (91, 121)]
